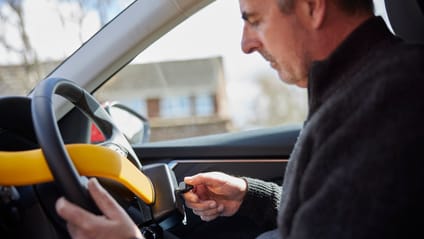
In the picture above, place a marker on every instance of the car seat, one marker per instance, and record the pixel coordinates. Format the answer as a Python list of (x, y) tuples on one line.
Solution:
[(407, 19)]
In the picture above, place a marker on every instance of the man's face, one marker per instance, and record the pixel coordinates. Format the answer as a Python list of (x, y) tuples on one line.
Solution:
[(278, 37)]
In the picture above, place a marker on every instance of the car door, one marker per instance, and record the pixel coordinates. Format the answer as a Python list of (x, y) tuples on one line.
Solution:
[(259, 154)]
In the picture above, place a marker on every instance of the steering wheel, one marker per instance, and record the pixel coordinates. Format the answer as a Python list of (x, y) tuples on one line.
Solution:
[(51, 142)]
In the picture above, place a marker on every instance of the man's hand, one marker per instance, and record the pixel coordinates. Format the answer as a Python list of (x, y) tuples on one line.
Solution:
[(215, 194), (114, 224)]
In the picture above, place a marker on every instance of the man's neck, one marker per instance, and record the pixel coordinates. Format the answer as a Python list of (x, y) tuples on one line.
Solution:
[(334, 31)]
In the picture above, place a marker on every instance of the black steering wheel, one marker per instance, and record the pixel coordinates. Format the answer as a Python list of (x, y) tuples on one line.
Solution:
[(51, 142)]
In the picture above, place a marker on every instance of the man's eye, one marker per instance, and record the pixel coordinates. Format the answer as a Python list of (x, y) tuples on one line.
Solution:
[(254, 23)]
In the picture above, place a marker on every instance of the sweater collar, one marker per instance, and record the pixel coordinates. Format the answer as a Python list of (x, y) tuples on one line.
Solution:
[(326, 73)]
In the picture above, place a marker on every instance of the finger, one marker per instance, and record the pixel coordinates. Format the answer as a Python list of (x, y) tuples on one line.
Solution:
[(106, 203), (72, 213), (199, 192), (209, 218), (191, 197), (73, 230), (189, 179), (78, 232), (209, 212), (203, 192), (212, 214), (201, 178), (202, 205)]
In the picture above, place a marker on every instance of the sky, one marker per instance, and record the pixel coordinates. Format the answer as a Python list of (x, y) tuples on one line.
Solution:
[(52, 38)]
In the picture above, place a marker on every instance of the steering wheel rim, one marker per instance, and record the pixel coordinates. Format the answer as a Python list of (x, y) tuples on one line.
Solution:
[(52, 144)]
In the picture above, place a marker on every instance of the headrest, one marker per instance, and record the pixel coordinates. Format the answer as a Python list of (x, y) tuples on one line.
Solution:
[(407, 19)]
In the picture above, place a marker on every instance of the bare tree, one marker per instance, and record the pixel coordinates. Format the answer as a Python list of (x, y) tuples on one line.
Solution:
[(85, 6), (279, 103), (27, 53), (12, 15)]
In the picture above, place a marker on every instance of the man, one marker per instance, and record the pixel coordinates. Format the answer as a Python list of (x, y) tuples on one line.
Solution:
[(354, 172)]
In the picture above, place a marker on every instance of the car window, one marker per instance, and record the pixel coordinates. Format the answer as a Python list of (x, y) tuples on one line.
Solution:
[(36, 35), (196, 81), (193, 81)]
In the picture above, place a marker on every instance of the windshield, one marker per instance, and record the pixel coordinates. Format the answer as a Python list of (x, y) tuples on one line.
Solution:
[(36, 35)]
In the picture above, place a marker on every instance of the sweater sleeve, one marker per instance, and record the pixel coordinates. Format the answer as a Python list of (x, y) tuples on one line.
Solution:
[(261, 202)]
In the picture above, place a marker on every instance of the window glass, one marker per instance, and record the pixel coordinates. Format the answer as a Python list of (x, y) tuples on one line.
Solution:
[(137, 105), (197, 81), (175, 107), (194, 81), (205, 105), (36, 35)]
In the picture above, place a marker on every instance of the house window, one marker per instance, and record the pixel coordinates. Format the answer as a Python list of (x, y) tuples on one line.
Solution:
[(205, 105), (174, 107), (137, 105)]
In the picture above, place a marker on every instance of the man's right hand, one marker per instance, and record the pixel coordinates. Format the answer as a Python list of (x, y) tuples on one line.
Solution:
[(215, 194), (114, 223)]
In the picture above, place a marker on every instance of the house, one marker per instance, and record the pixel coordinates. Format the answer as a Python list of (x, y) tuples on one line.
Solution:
[(180, 98)]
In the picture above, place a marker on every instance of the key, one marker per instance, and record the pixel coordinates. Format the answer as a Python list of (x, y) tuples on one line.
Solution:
[(183, 188)]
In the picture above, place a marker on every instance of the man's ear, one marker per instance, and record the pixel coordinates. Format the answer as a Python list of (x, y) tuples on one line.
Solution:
[(312, 12)]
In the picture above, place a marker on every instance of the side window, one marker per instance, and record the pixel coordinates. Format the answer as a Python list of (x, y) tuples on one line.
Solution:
[(196, 81)]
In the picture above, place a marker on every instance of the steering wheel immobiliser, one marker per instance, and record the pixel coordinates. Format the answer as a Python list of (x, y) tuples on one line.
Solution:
[(51, 142)]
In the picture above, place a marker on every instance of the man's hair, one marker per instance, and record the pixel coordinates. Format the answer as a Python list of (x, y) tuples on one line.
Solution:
[(349, 6)]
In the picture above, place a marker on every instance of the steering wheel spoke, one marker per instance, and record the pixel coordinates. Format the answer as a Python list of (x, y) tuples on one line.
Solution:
[(51, 142)]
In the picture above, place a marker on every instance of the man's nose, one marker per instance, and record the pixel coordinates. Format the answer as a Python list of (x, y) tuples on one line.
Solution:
[(249, 41)]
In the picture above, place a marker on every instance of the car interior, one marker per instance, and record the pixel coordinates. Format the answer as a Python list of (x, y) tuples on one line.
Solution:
[(46, 152)]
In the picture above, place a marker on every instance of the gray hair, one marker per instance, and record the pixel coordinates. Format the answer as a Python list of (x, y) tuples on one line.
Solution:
[(349, 6), (286, 5)]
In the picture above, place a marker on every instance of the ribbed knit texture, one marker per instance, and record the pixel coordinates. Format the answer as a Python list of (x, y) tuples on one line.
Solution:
[(357, 170), (261, 203)]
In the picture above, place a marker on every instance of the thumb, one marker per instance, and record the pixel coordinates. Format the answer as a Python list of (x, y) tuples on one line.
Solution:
[(198, 179), (106, 203), (189, 180)]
